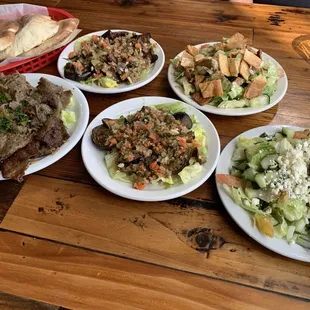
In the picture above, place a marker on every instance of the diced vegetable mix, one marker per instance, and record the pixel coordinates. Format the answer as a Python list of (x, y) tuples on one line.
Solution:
[(229, 74), (270, 177)]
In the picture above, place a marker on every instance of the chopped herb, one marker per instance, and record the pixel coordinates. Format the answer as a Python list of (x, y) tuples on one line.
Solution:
[(21, 117), (5, 123), (4, 98)]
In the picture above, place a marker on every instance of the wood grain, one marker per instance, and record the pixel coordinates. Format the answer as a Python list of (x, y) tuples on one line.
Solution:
[(11, 302), (154, 232), (91, 217), (80, 279)]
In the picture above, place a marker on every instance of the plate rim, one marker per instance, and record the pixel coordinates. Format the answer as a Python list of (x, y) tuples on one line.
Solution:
[(65, 150), (218, 111), (252, 231), (141, 197), (116, 90)]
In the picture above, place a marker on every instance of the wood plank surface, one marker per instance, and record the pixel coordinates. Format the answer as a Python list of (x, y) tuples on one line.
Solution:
[(63, 203), (81, 279), (12, 302), (91, 217)]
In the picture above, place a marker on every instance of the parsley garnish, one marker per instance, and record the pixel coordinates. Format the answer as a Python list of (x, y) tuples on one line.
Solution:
[(4, 97)]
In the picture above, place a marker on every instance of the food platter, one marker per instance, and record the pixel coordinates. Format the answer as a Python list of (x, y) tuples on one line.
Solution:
[(123, 87), (275, 98), (81, 109), (242, 217), (93, 157)]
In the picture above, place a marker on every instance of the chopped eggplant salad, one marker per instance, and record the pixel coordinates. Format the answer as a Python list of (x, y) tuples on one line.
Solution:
[(228, 74), (158, 144), (110, 59), (270, 177)]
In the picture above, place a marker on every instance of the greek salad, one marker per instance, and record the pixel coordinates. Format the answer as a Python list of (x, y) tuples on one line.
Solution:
[(270, 178)]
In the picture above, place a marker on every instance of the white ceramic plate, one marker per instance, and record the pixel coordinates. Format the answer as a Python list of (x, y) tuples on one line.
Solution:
[(80, 107), (93, 157), (241, 216), (278, 95), (123, 87)]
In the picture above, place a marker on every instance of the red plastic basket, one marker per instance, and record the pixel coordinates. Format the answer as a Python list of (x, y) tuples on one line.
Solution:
[(36, 63)]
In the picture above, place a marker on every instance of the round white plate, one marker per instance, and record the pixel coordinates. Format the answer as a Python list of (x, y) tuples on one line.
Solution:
[(277, 96), (241, 216), (123, 87), (93, 157), (80, 107)]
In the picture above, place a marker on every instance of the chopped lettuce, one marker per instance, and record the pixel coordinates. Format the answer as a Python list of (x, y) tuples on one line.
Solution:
[(172, 107), (229, 104), (113, 170), (293, 209), (107, 82), (271, 72), (270, 90), (190, 172), (236, 91), (68, 117), (200, 136)]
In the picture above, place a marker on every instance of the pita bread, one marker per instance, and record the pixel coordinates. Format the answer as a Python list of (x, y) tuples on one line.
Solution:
[(66, 27), (35, 30), (7, 33)]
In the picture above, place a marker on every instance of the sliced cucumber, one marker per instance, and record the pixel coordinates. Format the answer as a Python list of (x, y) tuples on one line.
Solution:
[(269, 161), (261, 180), (238, 154), (258, 152), (230, 104), (235, 172), (240, 165), (250, 174), (288, 132), (259, 101), (252, 193)]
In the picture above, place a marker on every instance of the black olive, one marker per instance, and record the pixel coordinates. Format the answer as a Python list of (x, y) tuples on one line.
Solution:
[(184, 119), (99, 136), (154, 57)]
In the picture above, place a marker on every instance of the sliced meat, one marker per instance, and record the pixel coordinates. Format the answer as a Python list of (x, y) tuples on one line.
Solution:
[(53, 133), (16, 86), (15, 166), (11, 142), (53, 95)]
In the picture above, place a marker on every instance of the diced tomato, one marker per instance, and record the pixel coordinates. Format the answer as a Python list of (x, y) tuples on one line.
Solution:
[(154, 165), (301, 134), (130, 157), (139, 185), (72, 54), (137, 45), (230, 180), (123, 76), (113, 141), (196, 143), (95, 38), (97, 75), (182, 141), (78, 65), (104, 44)]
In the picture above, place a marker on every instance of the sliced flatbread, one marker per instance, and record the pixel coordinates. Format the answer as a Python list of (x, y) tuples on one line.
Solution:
[(35, 30), (66, 27), (8, 29)]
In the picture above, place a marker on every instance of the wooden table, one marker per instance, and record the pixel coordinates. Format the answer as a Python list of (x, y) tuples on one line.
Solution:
[(67, 242)]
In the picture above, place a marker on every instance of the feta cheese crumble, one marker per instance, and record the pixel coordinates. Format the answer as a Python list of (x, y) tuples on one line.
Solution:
[(292, 176)]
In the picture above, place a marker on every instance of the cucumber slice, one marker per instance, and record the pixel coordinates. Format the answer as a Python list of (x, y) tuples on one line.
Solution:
[(260, 180), (250, 174), (252, 193), (231, 104), (240, 165), (259, 101), (235, 172), (258, 152), (269, 161), (238, 154), (288, 132)]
